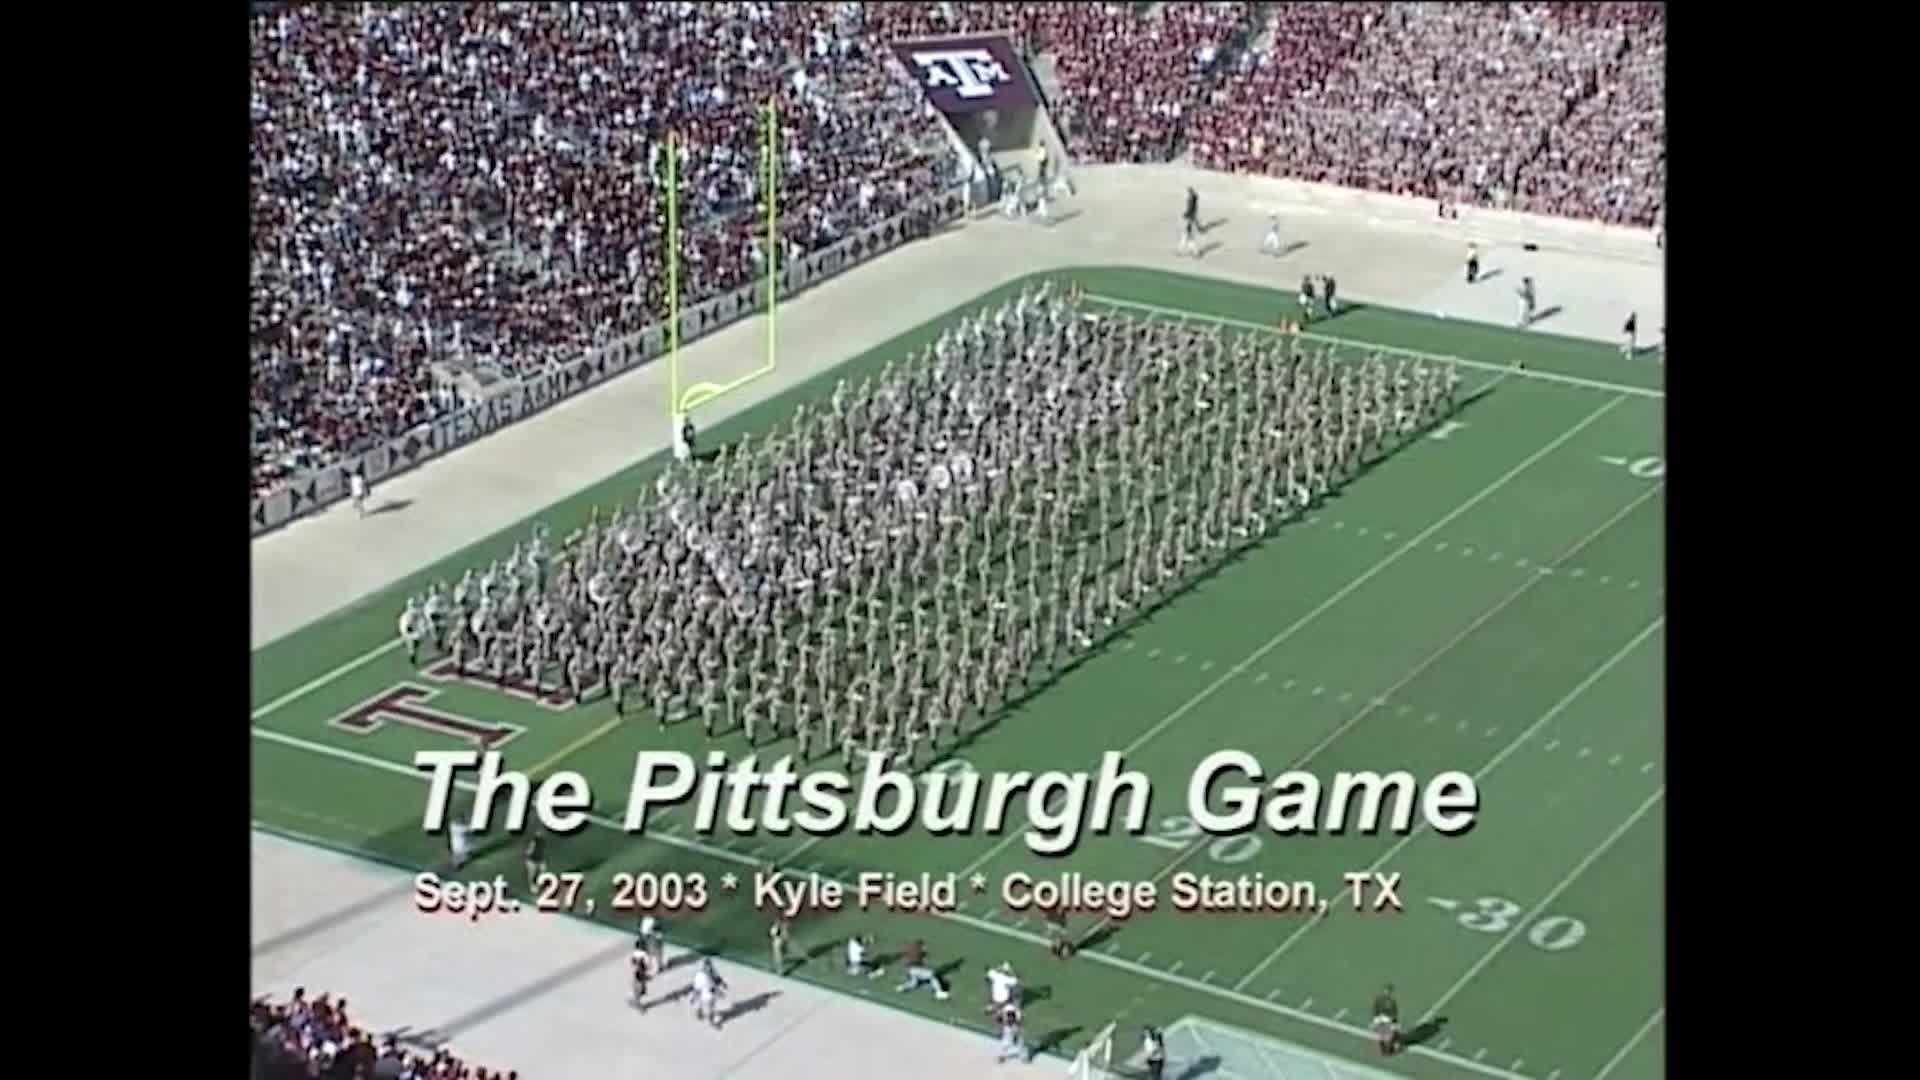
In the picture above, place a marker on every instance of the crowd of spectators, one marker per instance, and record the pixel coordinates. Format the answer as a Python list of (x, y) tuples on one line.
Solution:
[(306, 1038), (1549, 108), (1130, 74), (481, 185), (440, 189)]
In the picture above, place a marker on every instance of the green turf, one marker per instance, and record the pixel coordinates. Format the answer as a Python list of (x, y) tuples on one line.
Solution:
[(1486, 600)]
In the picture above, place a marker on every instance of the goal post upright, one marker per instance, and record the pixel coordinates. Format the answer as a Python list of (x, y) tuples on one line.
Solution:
[(773, 221), (673, 282)]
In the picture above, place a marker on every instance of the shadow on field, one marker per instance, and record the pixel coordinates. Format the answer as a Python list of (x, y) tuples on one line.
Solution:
[(748, 1005), (1048, 1042), (1346, 309), (1422, 1032), (1200, 1067)]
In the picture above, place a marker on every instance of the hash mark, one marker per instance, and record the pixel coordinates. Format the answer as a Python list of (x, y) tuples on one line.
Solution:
[(1181, 659), (1379, 702), (1553, 744), (1153, 653), (1606, 579), (1431, 717), (1444, 1043), (1271, 994), (1480, 1054), (1554, 1075), (1521, 563), (1262, 677), (1175, 969), (1144, 957), (1585, 751), (1318, 690), (1634, 584), (1340, 1014), (1461, 726), (1441, 546), (1126, 644), (1647, 768), (1307, 1004), (1517, 1063), (1545, 571), (1290, 684), (1390, 536), (1495, 557), (1206, 665), (1578, 571), (1405, 709), (1614, 760), (1466, 552), (1362, 530), (1339, 524), (1314, 520), (1346, 696), (1492, 731)]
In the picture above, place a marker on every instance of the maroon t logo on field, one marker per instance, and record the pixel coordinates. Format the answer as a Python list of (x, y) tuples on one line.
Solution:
[(402, 705)]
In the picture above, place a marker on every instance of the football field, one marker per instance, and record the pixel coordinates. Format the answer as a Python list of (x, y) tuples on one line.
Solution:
[(1489, 599)]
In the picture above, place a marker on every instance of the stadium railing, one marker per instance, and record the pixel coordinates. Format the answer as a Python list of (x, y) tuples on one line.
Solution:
[(515, 400)]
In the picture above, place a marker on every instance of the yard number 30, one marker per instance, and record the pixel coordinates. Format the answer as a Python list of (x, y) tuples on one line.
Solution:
[(1495, 915)]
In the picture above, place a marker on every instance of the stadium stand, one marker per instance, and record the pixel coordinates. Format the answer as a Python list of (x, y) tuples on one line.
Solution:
[(303, 1039), (473, 185), (444, 196), (1130, 77), (1546, 108)]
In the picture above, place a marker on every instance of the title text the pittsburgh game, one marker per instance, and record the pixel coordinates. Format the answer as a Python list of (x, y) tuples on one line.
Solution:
[(1228, 793)]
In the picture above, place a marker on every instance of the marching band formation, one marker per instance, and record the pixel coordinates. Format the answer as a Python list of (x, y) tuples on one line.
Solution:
[(891, 569)]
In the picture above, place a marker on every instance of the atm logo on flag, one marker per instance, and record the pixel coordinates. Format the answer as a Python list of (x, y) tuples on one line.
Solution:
[(962, 75)]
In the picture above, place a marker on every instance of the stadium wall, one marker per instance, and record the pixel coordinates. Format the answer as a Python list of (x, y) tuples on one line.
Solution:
[(1487, 227), (516, 400)]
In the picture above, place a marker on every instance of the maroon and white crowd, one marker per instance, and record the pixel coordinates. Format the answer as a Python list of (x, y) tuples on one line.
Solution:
[(1548, 108), (444, 187), (306, 1038), (440, 189)]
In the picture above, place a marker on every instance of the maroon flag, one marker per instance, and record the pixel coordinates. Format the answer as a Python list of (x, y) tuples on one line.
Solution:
[(968, 74)]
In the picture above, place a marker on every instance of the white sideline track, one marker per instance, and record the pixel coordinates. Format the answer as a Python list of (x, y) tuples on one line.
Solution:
[(545, 995)]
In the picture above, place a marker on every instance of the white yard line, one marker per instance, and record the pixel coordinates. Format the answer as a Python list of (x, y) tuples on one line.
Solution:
[(1552, 895), (319, 681), (1626, 1048), (1542, 376), (1330, 602), (1195, 985), (1532, 729)]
